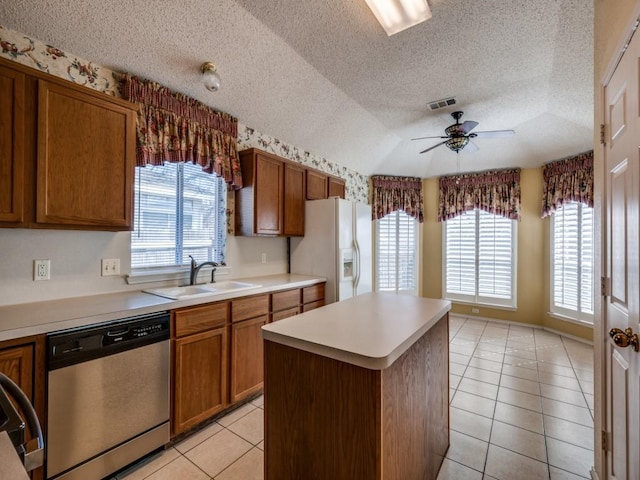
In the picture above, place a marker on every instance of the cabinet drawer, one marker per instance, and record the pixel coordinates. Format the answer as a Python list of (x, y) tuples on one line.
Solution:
[(312, 306), (282, 314), (200, 319), (313, 293), (284, 300), (250, 307)]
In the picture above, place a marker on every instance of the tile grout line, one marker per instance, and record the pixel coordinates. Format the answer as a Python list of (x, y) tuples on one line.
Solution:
[(544, 426)]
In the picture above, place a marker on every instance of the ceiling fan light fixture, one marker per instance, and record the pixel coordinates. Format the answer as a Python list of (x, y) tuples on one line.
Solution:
[(398, 15), (457, 143)]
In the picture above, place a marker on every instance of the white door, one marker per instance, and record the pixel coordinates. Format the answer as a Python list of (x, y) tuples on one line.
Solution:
[(622, 364)]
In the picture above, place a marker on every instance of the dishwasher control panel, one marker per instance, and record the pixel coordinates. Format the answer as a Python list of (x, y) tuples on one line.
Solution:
[(73, 346)]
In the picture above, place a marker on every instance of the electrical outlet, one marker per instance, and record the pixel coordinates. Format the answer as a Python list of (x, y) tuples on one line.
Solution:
[(110, 266), (264, 257), (41, 270), (475, 310)]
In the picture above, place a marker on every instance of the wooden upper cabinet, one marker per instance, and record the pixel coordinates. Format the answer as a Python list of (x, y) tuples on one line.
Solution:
[(67, 153), (336, 187), (259, 202), (320, 186), (85, 159), (294, 196), (272, 199), (316, 185), (12, 145)]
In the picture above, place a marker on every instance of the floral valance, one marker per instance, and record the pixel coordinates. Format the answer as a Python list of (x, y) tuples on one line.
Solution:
[(397, 193), (173, 127), (496, 192), (567, 180)]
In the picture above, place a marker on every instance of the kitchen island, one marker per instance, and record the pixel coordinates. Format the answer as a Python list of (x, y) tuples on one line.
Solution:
[(358, 390)]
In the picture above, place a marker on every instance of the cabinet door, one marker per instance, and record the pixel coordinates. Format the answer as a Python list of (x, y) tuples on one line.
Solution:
[(282, 314), (17, 364), (316, 185), (85, 159), (336, 187), (200, 378), (294, 197), (247, 372), (268, 196), (12, 145)]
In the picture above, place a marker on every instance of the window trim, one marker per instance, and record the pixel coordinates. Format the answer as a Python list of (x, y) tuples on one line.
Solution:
[(510, 304)]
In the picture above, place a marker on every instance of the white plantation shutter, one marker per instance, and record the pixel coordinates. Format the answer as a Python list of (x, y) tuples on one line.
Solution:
[(460, 247), (572, 261), (179, 211), (396, 253), (479, 260)]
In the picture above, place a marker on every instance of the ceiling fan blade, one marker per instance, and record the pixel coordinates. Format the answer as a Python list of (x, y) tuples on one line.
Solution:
[(471, 147), (435, 146), (422, 138), (467, 126), (494, 133)]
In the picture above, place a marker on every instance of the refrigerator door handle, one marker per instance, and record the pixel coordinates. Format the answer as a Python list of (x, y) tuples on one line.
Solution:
[(356, 280)]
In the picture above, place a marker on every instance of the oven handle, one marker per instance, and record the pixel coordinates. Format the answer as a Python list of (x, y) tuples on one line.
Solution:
[(35, 458)]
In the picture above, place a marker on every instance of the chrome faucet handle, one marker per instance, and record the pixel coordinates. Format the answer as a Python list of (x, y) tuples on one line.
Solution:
[(193, 261), (213, 275)]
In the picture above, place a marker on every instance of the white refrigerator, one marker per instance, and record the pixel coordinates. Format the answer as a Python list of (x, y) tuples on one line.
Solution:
[(336, 245)]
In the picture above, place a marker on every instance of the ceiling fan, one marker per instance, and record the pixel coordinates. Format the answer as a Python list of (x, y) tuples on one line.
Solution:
[(459, 135)]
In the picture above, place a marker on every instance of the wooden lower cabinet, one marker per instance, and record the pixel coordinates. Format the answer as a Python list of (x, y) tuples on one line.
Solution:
[(247, 375), (381, 424), (23, 361), (313, 297), (200, 377)]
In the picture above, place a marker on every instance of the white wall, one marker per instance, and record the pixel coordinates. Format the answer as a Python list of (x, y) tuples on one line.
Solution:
[(75, 262)]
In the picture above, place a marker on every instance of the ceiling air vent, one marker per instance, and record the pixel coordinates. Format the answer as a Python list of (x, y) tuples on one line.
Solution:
[(445, 102)]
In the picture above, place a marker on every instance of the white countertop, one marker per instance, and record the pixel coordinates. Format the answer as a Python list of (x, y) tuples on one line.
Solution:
[(11, 466), (372, 330), (26, 319)]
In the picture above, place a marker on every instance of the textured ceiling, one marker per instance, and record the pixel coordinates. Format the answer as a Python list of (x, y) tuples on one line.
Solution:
[(324, 76)]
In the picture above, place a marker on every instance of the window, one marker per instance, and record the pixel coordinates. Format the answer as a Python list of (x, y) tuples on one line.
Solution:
[(480, 259), (179, 211), (396, 253), (572, 261)]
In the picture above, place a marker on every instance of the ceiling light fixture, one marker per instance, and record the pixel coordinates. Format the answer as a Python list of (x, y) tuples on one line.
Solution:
[(210, 77), (398, 15)]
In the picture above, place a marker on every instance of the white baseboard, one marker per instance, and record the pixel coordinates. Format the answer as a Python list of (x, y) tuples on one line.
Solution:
[(521, 324)]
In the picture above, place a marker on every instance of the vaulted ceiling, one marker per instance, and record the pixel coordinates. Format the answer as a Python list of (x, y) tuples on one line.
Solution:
[(325, 77)]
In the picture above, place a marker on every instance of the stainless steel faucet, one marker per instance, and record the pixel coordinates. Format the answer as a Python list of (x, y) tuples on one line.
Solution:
[(195, 269)]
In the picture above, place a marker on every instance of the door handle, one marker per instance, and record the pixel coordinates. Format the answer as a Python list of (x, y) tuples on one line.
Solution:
[(625, 338)]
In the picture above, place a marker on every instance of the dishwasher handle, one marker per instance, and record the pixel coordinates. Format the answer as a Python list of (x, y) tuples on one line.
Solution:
[(34, 459)]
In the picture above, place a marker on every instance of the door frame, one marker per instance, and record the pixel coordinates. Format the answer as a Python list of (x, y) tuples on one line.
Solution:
[(600, 334)]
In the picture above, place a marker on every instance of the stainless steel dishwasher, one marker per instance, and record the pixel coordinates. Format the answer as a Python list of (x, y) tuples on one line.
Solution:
[(108, 396)]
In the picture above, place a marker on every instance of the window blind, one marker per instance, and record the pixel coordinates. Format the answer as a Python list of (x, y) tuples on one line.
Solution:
[(479, 259), (179, 211), (572, 261), (396, 253)]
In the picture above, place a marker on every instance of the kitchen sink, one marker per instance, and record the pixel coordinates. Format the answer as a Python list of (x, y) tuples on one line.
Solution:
[(194, 291), (232, 285)]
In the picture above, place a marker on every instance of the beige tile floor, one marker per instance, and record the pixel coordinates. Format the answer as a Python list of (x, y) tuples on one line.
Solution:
[(521, 408)]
